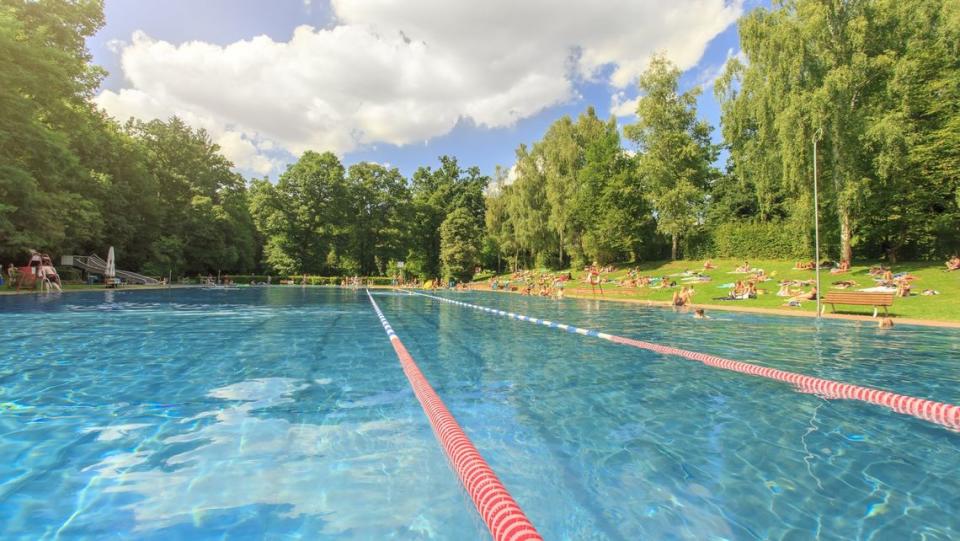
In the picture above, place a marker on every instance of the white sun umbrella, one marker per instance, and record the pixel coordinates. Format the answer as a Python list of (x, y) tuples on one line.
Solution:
[(111, 271)]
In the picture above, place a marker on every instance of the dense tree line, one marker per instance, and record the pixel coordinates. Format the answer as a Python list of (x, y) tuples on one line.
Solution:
[(876, 84), (73, 180)]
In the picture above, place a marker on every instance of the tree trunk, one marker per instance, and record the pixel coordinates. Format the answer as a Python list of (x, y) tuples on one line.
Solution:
[(846, 251), (561, 248), (673, 247)]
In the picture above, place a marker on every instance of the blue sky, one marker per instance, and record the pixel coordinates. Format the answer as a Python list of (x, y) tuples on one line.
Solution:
[(165, 72)]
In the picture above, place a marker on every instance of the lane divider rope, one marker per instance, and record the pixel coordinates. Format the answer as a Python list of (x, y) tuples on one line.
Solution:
[(941, 413), (499, 511)]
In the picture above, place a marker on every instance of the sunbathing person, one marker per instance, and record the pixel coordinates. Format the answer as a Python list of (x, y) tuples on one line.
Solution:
[(844, 284), (844, 267), (708, 265), (953, 264), (809, 296), (784, 290), (903, 288), (743, 268)]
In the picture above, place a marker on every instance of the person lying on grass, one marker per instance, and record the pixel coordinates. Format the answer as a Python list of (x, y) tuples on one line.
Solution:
[(809, 296), (708, 265), (665, 283), (953, 263), (743, 268), (844, 284)]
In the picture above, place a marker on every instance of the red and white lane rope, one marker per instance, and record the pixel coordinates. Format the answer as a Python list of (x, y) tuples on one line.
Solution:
[(503, 517), (940, 413)]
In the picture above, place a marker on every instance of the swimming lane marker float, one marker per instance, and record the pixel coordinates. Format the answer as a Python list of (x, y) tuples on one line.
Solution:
[(503, 517), (941, 413)]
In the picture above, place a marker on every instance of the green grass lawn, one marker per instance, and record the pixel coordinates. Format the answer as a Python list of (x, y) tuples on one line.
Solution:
[(4, 290), (943, 307)]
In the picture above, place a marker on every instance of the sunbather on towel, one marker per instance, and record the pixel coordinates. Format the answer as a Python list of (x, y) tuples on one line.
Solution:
[(953, 263), (809, 296)]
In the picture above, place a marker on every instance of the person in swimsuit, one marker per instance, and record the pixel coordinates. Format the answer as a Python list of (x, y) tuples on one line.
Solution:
[(595, 282)]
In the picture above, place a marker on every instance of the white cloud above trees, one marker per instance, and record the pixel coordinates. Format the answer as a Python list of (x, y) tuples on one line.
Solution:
[(404, 72)]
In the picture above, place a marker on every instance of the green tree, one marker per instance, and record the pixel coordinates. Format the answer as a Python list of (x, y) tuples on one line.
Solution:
[(499, 227), (613, 209), (435, 194), (559, 159), (675, 152), (460, 239), (302, 215), (379, 216), (45, 83)]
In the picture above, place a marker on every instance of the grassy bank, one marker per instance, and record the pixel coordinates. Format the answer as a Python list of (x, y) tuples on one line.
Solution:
[(942, 307), (78, 287)]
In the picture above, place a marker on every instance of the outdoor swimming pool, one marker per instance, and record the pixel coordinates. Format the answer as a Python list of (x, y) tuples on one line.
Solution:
[(283, 413)]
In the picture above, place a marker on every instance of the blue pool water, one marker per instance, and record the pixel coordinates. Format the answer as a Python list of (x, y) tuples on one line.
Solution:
[(282, 413)]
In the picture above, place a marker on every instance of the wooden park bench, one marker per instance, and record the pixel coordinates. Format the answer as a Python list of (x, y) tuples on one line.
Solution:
[(859, 299)]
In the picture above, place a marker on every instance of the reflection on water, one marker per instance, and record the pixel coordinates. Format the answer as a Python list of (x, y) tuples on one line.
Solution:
[(260, 413), (335, 471)]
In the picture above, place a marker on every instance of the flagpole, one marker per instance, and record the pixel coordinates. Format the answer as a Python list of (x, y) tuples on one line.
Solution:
[(816, 219)]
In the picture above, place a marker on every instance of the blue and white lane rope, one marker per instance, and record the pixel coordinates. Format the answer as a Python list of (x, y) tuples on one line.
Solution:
[(941, 413)]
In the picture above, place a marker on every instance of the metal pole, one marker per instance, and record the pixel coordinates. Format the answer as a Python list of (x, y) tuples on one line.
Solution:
[(816, 220)]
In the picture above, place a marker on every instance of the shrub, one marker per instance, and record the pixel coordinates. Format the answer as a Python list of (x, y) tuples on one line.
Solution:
[(760, 240)]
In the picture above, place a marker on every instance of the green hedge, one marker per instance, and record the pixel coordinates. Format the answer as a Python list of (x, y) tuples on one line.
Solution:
[(759, 240), (311, 280)]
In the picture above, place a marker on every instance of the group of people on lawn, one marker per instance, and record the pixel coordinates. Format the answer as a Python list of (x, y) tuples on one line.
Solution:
[(539, 284), (794, 291)]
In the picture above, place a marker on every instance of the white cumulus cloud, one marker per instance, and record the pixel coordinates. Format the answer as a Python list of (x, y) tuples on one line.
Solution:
[(404, 72), (621, 105)]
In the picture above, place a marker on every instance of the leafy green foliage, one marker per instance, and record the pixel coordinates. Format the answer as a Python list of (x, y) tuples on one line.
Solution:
[(876, 83), (675, 150), (767, 240), (436, 194), (460, 238)]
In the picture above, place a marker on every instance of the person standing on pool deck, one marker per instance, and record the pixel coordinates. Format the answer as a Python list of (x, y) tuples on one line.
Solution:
[(594, 275)]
